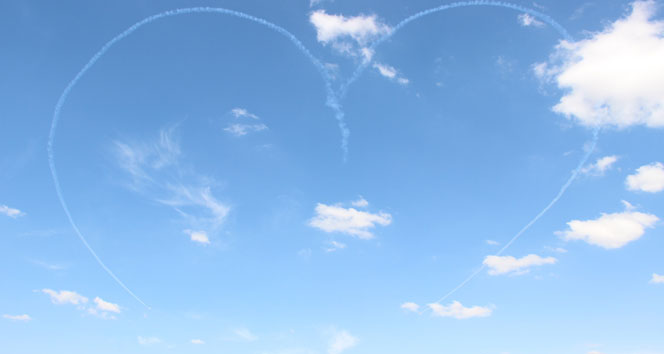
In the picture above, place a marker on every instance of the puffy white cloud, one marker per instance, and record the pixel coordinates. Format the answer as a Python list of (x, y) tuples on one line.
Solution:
[(527, 20), (458, 311), (198, 236), (65, 297), (616, 76), (335, 218), (238, 129), (390, 73), (11, 212), (649, 178), (106, 306), (360, 203), (197, 341), (499, 265), (22, 318), (657, 279), (600, 166), (410, 306), (243, 113), (341, 341), (348, 35), (610, 231), (148, 340)]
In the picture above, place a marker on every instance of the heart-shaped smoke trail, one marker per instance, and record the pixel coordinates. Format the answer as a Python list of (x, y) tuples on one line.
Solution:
[(332, 101)]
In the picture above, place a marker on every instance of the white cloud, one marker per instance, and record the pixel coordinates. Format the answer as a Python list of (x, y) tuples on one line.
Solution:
[(22, 318), (106, 306), (649, 178), (499, 265), (148, 340), (614, 77), (657, 279), (341, 341), (600, 166), (390, 73), (348, 35), (238, 129), (594, 352), (245, 335), (11, 212), (360, 203), (492, 243), (458, 311), (334, 218), (197, 341), (527, 20), (410, 306), (335, 246), (198, 236), (65, 297), (243, 113), (610, 231)]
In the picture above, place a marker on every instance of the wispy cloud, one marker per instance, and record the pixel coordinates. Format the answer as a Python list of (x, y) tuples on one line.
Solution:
[(527, 20), (648, 178), (614, 77), (336, 218), (65, 297), (147, 341), (101, 308), (21, 318), (410, 306), (239, 129), (657, 279), (334, 246), (156, 170), (600, 166), (390, 73), (197, 341), (243, 113), (610, 231), (499, 265), (341, 341), (245, 335), (458, 311), (11, 212)]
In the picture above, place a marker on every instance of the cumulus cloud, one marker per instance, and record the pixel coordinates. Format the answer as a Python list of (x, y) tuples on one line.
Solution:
[(348, 35), (21, 318), (360, 203), (610, 231), (65, 297), (600, 166), (499, 265), (410, 306), (243, 113), (11, 212), (106, 306), (615, 77), (527, 20), (335, 218), (148, 340), (198, 236), (340, 342), (657, 279), (649, 178), (390, 73), (458, 311), (238, 129)]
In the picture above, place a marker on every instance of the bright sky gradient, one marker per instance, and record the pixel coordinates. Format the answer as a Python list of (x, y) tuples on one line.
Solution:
[(202, 163)]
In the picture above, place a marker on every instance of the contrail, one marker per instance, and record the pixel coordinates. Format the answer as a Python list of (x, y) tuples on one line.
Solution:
[(332, 102), (541, 16)]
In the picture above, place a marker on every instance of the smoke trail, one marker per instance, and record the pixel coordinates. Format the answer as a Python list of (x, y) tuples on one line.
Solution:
[(543, 17), (365, 63), (332, 102)]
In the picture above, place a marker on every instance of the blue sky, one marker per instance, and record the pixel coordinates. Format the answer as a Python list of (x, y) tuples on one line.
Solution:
[(202, 160)]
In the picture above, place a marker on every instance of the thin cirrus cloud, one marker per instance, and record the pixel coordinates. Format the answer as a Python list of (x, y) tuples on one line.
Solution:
[(156, 170), (11, 212), (243, 129), (336, 218), (501, 265), (348, 36), (148, 341), (19, 318), (610, 231), (614, 77), (648, 178), (458, 311), (243, 113), (601, 166)]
